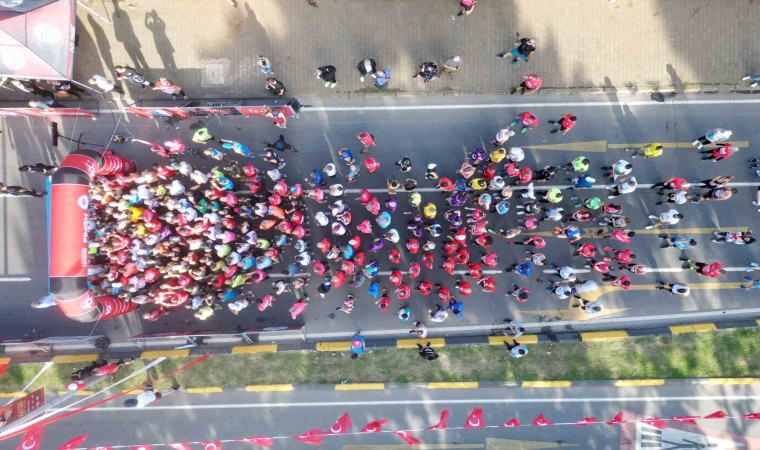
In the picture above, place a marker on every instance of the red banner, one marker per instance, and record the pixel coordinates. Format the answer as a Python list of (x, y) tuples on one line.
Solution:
[(52, 112), (202, 111), (22, 406), (68, 214)]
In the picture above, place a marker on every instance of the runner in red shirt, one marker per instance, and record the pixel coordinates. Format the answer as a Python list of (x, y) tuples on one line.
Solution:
[(528, 120), (712, 270), (531, 84), (566, 123), (111, 368)]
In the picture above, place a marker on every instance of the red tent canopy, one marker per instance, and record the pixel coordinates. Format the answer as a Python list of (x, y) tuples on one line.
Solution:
[(37, 43)]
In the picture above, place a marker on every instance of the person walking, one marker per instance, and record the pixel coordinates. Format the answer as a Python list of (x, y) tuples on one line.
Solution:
[(527, 120), (514, 329), (524, 48), (166, 86), (275, 87), (532, 83), (516, 349), (419, 330), (677, 289), (714, 136), (105, 84), (755, 79), (382, 77), (131, 75), (719, 153), (565, 123), (148, 396), (451, 65), (65, 89), (651, 150), (264, 65), (428, 71), (327, 73), (366, 67), (18, 191), (712, 270), (467, 6), (39, 168), (367, 140)]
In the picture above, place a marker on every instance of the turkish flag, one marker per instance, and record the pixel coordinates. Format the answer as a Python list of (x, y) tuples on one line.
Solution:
[(374, 427), (313, 437), (616, 420), (586, 421), (442, 423), (141, 447), (74, 443), (341, 426), (408, 438), (179, 446), (752, 416), (655, 422), (32, 438), (261, 441), (512, 423), (686, 419), (475, 419), (541, 421), (716, 415), (101, 448), (212, 445)]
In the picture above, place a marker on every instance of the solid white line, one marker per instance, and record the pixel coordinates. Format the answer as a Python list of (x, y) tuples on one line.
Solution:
[(527, 105), (660, 270), (14, 279), (425, 402), (386, 273), (545, 187)]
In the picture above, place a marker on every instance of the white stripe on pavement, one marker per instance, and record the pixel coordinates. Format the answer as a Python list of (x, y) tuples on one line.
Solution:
[(489, 400), (660, 270), (14, 279), (526, 105)]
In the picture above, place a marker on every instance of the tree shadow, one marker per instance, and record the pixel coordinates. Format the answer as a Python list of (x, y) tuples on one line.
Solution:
[(164, 47), (104, 46), (125, 33)]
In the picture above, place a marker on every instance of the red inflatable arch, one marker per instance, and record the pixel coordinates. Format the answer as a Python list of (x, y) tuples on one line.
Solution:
[(68, 241)]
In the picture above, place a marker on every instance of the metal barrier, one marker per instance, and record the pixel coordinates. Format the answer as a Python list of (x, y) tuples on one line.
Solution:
[(192, 339), (47, 345)]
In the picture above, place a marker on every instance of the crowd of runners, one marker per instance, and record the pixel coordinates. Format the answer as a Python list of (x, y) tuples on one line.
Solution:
[(185, 236)]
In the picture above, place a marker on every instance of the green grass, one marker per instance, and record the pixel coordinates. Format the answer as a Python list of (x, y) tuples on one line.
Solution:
[(698, 355)]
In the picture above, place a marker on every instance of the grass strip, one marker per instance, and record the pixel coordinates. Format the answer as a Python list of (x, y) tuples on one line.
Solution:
[(730, 353)]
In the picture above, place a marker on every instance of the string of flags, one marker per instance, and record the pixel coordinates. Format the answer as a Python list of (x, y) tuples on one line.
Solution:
[(343, 425)]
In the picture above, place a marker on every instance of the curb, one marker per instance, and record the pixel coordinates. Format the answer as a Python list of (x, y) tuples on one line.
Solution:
[(343, 346), (457, 385)]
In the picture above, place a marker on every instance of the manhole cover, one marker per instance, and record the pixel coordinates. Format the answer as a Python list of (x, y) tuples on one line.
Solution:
[(214, 73)]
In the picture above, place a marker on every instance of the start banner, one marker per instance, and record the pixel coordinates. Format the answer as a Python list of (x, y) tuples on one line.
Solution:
[(202, 111)]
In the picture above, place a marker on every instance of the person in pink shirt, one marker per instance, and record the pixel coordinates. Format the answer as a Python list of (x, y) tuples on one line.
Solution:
[(531, 84), (168, 87)]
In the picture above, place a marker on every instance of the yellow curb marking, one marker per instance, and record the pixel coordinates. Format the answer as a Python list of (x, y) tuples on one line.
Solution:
[(695, 328), (740, 144), (166, 353), (77, 393), (652, 382), (546, 384), (412, 343), (76, 358), (5, 361), (359, 386), (269, 387), (524, 339), (339, 346), (260, 348), (733, 380), (612, 335), (204, 390), (454, 385)]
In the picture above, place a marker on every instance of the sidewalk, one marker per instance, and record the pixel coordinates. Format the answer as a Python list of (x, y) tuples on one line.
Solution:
[(210, 47)]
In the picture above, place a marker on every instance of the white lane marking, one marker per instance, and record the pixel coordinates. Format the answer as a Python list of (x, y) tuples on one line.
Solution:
[(384, 272), (14, 279), (660, 269), (526, 105), (743, 398), (543, 187)]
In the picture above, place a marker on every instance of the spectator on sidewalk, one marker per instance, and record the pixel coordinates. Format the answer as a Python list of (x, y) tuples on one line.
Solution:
[(428, 71), (382, 77), (466, 7), (516, 349), (30, 88), (327, 73), (366, 67), (148, 396), (168, 87), (451, 65), (65, 89), (265, 65), (105, 84), (18, 191), (525, 47), (532, 84), (514, 329), (131, 75), (275, 87)]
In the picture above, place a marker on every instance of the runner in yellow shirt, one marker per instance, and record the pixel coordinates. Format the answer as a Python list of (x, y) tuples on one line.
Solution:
[(652, 150)]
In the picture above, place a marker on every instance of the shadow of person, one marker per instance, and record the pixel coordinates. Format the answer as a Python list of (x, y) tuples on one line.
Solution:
[(125, 34), (163, 45), (104, 46), (675, 80)]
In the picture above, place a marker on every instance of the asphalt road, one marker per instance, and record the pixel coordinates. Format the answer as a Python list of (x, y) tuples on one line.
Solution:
[(228, 416), (440, 131)]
